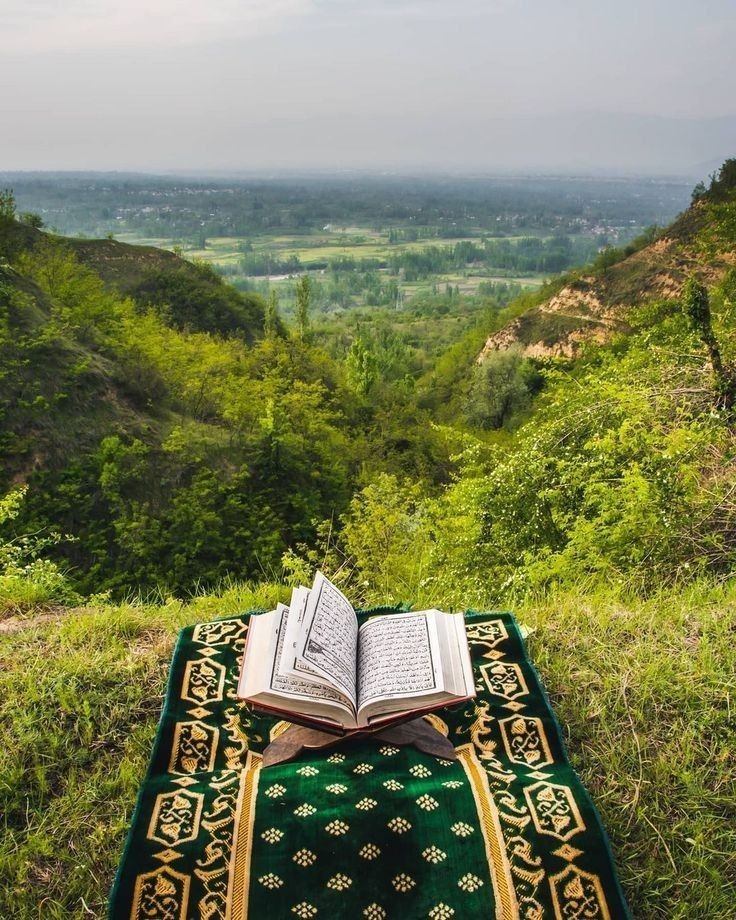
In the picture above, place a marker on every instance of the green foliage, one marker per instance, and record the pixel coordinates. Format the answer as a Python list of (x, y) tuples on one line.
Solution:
[(718, 233), (384, 534), (31, 219), (502, 386), (699, 191), (203, 503), (272, 320), (723, 183), (696, 306), (7, 204), (361, 367), (303, 303), (26, 579), (268, 263), (196, 298), (83, 307), (523, 255)]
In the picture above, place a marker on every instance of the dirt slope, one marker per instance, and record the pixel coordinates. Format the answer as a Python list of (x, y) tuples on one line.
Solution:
[(593, 307)]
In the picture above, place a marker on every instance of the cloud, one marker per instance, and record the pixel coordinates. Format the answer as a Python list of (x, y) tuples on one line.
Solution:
[(38, 26)]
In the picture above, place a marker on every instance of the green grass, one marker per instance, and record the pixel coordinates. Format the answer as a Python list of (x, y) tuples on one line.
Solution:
[(645, 695), (80, 697), (644, 692)]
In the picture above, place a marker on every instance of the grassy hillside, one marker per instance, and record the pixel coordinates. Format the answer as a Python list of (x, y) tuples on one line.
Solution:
[(642, 688), (190, 295)]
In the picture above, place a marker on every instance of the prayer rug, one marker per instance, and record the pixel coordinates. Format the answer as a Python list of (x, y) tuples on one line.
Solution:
[(367, 830)]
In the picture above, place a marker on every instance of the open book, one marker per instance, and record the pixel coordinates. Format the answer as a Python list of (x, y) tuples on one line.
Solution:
[(310, 662)]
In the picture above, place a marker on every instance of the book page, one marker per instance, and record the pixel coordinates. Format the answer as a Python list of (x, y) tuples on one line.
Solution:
[(258, 654), (290, 662), (456, 666), (295, 616), (398, 656), (329, 637), (298, 687)]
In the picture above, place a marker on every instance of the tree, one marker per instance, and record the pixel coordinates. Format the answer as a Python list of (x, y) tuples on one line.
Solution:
[(303, 303), (696, 306), (272, 319), (502, 385), (361, 366), (699, 191), (31, 219), (607, 258), (724, 183), (721, 231), (7, 204)]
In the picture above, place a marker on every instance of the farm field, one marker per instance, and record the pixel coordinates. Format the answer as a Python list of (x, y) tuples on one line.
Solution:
[(312, 250), (316, 252)]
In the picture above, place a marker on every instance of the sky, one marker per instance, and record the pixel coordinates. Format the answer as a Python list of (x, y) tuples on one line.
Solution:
[(479, 86)]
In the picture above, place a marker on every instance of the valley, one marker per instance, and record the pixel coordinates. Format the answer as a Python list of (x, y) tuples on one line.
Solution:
[(432, 260)]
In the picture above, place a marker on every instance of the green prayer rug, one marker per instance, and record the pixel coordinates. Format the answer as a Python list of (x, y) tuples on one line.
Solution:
[(366, 830)]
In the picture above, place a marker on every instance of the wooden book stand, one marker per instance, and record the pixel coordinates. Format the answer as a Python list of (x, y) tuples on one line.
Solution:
[(418, 732)]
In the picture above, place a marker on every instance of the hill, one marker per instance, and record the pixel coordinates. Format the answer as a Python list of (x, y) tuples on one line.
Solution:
[(192, 296), (117, 414), (593, 306)]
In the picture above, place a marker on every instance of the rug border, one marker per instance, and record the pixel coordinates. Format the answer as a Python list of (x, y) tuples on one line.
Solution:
[(566, 754), (157, 742)]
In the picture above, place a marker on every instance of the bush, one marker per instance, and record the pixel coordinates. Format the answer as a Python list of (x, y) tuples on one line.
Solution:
[(26, 580), (501, 386), (384, 534)]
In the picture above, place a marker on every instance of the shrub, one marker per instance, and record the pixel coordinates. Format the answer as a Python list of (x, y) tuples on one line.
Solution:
[(26, 580)]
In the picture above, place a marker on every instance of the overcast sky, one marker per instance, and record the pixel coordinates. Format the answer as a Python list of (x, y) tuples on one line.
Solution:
[(476, 85)]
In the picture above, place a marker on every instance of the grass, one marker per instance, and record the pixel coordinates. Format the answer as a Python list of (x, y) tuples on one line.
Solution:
[(645, 694), (81, 693), (644, 691)]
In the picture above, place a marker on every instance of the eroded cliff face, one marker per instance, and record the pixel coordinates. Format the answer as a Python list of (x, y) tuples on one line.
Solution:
[(594, 307), (558, 327)]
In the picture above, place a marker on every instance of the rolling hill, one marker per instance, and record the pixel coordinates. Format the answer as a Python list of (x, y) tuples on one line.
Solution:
[(138, 396), (192, 295)]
